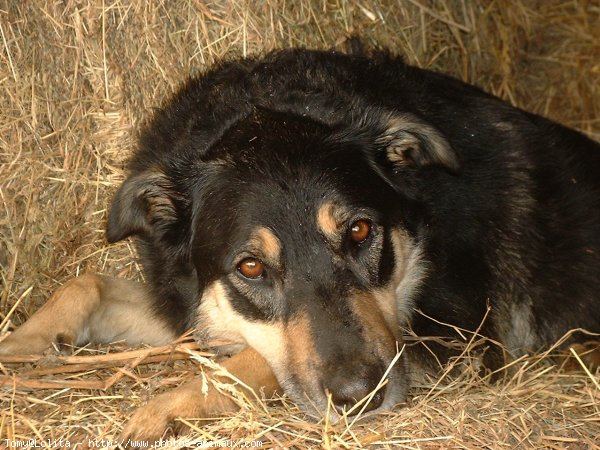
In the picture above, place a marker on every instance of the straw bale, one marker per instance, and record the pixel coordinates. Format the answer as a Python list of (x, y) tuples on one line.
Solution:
[(76, 80)]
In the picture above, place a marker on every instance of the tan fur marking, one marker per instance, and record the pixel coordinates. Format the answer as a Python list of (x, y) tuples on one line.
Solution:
[(589, 354), (90, 308), (269, 243), (215, 321), (301, 346), (125, 313), (219, 321), (189, 400), (387, 305), (304, 363), (288, 348), (376, 329), (326, 220), (408, 275)]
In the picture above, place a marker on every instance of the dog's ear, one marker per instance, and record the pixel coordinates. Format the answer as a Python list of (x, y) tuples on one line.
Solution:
[(144, 204), (408, 141)]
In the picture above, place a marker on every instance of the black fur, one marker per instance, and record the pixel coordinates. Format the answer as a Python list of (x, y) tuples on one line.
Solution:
[(504, 204)]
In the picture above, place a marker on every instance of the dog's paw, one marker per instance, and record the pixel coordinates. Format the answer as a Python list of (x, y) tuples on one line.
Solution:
[(28, 343), (24, 344), (149, 424), (156, 420)]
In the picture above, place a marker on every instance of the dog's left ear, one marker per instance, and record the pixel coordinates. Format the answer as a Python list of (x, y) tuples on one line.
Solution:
[(408, 141)]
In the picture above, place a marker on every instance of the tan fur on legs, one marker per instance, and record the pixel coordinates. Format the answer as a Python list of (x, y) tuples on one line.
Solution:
[(589, 354), (152, 420), (90, 308)]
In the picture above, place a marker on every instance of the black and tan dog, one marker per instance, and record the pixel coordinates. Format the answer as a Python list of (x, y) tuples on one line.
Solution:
[(310, 207)]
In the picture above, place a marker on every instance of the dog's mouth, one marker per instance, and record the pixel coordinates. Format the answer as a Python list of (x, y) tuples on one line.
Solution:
[(349, 390), (342, 373), (345, 367)]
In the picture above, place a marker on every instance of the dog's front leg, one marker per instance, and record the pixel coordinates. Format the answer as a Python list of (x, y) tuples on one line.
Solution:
[(150, 422), (91, 308)]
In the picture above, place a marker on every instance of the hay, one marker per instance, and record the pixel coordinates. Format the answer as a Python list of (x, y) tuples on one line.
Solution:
[(77, 78)]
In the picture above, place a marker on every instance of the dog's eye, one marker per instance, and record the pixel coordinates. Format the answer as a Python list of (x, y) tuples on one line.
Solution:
[(251, 268), (360, 231)]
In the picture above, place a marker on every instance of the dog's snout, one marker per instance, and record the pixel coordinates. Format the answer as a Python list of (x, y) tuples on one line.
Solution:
[(347, 391)]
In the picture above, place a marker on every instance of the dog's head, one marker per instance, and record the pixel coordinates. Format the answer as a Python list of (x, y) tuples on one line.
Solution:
[(301, 242)]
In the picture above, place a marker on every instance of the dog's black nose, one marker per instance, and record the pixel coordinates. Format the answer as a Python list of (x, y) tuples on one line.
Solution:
[(346, 393)]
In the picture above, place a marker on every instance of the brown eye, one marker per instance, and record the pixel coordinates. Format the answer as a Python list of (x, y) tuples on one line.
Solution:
[(360, 231), (251, 268)]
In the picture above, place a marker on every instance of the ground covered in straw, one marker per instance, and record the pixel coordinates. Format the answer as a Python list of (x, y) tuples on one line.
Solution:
[(76, 80)]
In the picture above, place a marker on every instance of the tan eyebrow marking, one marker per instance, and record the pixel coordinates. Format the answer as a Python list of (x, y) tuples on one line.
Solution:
[(326, 220), (331, 219), (267, 242)]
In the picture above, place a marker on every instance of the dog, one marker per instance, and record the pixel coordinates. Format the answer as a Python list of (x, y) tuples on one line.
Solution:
[(317, 212)]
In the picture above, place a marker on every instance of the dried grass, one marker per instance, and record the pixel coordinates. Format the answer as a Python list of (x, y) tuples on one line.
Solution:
[(76, 80)]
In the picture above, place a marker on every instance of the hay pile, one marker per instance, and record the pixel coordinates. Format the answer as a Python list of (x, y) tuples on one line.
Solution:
[(76, 79)]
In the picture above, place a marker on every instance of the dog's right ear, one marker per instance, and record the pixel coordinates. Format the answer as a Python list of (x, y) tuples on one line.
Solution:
[(143, 205), (409, 141)]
